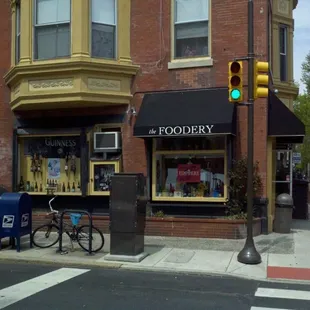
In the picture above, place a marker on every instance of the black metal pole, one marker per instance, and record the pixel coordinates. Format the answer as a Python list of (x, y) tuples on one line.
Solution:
[(60, 232), (249, 254), (90, 247)]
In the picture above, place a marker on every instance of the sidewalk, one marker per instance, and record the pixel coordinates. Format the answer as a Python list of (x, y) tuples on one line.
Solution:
[(284, 256)]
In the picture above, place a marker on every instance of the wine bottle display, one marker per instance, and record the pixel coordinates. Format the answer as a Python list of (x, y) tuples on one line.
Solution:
[(21, 184)]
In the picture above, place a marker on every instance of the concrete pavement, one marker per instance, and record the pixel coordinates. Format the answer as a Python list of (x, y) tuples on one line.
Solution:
[(24, 286), (284, 256)]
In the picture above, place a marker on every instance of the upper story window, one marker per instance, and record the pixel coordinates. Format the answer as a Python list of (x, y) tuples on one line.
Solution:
[(191, 28), (283, 52), (17, 37), (52, 29), (104, 28)]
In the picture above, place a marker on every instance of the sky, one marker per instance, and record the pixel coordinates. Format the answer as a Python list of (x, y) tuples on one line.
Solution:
[(301, 38)]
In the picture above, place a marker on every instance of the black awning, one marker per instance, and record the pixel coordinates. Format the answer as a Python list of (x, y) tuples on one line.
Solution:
[(184, 113), (283, 123)]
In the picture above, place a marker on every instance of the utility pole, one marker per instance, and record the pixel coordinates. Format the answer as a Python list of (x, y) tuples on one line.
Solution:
[(249, 254)]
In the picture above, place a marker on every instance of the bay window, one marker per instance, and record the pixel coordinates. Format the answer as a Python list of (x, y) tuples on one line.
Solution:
[(103, 28), (17, 33), (191, 28), (283, 53), (189, 169), (52, 29)]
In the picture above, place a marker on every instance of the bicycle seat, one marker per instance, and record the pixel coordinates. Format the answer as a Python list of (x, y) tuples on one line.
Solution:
[(75, 218)]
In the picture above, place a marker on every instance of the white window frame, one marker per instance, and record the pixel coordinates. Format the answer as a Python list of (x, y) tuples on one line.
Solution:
[(188, 22), (17, 32), (36, 26), (115, 30), (285, 28)]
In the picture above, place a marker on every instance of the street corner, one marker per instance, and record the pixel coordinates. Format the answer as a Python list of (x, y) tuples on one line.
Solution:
[(288, 273), (289, 267), (255, 271)]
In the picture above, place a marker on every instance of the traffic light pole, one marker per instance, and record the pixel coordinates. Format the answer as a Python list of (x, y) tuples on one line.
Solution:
[(249, 254)]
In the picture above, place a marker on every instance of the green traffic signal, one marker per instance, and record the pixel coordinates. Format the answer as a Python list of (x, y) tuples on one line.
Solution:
[(235, 83), (235, 94)]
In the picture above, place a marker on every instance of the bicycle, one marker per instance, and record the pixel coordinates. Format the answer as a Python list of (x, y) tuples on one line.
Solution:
[(74, 232)]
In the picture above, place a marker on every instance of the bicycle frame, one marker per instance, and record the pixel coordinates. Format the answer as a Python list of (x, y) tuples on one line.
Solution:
[(57, 220), (72, 232)]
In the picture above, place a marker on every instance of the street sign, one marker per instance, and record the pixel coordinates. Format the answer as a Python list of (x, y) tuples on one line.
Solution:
[(296, 158)]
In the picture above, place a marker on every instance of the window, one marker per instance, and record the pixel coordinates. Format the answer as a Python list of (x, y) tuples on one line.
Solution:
[(189, 169), (283, 53), (52, 29), (191, 30), (103, 28), (17, 38)]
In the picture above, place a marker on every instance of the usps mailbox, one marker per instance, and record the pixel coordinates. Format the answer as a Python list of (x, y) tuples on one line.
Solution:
[(16, 216)]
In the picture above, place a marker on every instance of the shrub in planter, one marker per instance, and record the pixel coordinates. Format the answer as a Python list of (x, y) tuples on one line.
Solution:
[(237, 188)]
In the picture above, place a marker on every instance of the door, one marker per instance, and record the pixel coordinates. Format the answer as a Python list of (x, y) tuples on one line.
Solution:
[(284, 172)]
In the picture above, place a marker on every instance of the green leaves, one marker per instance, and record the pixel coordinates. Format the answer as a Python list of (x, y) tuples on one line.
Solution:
[(305, 76), (237, 188), (302, 111)]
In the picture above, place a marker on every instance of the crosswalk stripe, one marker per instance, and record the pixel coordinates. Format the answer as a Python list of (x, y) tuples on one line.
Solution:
[(263, 308), (17, 292), (281, 293)]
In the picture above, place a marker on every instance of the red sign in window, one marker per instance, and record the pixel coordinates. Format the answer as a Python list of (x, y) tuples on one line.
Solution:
[(188, 173)]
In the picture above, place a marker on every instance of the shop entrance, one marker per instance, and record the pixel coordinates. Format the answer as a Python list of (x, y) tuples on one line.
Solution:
[(284, 172)]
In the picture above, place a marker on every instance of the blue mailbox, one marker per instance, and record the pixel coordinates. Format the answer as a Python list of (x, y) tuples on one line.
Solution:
[(15, 216)]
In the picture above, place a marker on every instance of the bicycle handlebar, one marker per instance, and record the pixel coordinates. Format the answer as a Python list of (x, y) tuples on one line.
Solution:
[(51, 208)]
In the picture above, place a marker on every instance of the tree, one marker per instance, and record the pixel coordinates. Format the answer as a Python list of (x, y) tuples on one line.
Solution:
[(305, 75), (302, 110)]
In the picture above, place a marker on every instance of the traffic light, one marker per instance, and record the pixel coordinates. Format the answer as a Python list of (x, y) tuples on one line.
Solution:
[(261, 79), (235, 81)]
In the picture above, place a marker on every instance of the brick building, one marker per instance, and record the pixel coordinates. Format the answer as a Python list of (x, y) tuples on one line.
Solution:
[(141, 86)]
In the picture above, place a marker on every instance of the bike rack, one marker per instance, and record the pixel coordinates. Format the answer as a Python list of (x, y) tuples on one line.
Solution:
[(61, 228)]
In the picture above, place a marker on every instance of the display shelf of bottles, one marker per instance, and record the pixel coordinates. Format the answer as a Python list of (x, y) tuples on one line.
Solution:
[(52, 187), (67, 193), (33, 193)]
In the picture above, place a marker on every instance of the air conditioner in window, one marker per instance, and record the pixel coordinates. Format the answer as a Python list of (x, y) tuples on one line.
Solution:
[(107, 141)]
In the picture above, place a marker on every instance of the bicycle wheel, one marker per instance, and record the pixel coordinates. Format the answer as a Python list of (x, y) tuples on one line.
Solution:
[(83, 238), (44, 236)]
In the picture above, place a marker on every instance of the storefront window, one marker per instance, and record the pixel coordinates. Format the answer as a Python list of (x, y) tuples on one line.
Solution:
[(283, 172), (50, 165), (193, 143), (189, 169), (102, 175)]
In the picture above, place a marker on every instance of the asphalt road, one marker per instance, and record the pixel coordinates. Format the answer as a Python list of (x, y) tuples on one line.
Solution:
[(27, 287)]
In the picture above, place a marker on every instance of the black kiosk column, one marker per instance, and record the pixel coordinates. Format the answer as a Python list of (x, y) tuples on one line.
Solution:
[(127, 217)]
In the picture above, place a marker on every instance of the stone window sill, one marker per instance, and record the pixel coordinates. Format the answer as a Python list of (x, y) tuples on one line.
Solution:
[(190, 63)]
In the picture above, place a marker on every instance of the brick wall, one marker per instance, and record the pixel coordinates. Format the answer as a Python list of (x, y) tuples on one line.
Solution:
[(176, 227), (6, 116), (151, 50)]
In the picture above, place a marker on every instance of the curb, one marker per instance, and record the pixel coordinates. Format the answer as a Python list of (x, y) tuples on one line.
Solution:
[(212, 274), (124, 266), (61, 262)]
